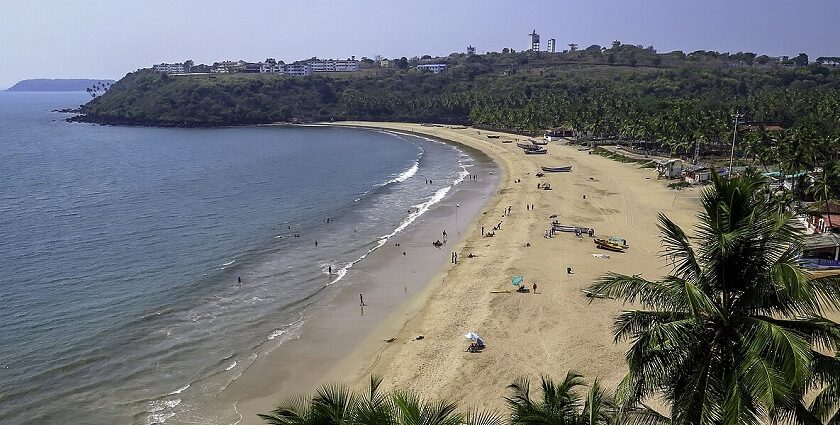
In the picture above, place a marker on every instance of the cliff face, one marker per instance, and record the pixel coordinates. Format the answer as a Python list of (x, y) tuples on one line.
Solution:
[(57, 85)]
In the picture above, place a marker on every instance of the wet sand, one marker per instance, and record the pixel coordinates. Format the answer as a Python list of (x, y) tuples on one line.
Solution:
[(387, 279), (551, 331)]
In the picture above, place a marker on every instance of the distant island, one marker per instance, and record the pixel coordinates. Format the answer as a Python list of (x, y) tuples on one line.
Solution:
[(43, 84)]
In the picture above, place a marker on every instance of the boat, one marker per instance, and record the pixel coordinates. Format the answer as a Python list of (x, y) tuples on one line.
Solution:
[(507, 141), (571, 229), (608, 245), (538, 142), (527, 146), (565, 169), (493, 136), (619, 241), (535, 151)]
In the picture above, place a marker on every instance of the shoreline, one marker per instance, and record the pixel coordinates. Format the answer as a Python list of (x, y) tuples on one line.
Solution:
[(551, 331), (332, 332)]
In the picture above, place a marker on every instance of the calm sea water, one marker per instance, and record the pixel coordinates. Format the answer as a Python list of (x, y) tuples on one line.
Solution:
[(120, 250)]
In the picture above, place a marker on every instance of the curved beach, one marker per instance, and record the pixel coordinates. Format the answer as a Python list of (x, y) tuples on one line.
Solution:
[(550, 331)]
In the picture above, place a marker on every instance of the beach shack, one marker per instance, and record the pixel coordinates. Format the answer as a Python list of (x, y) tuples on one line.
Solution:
[(821, 251), (558, 133), (669, 168), (822, 218), (698, 174)]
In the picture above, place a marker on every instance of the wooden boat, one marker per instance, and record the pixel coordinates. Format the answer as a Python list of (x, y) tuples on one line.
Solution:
[(608, 245), (493, 136), (507, 141), (571, 229), (538, 142), (565, 169), (618, 240), (527, 146), (535, 151)]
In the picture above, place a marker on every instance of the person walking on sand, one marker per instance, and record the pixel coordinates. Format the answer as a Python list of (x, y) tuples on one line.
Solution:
[(482, 230), (444, 234), (535, 287), (361, 300)]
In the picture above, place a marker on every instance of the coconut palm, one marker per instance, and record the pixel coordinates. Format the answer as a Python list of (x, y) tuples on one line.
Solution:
[(827, 186), (733, 335), (563, 404), (337, 405)]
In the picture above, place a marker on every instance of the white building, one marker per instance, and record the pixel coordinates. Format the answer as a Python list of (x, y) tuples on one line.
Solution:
[(670, 169), (171, 68), (299, 69), (271, 66), (385, 63), (436, 68), (333, 65)]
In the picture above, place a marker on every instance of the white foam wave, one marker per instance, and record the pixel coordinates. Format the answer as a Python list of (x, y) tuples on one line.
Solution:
[(232, 365), (157, 408), (179, 390), (225, 265)]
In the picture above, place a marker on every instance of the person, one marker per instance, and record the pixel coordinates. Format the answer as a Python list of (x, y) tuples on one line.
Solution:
[(330, 270), (535, 287), (591, 232), (482, 230), (316, 243), (361, 300), (471, 255), (238, 279), (444, 234), (568, 270), (584, 196), (456, 258)]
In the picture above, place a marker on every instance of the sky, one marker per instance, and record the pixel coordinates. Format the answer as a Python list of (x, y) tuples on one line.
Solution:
[(107, 39)]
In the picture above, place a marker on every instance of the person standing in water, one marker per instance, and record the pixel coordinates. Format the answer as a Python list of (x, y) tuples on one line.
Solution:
[(361, 300), (330, 270), (238, 279), (316, 243)]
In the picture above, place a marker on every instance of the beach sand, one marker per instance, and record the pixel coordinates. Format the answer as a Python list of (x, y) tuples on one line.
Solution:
[(548, 332)]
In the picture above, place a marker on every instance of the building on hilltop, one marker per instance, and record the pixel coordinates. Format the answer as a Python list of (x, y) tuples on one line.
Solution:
[(227, 67), (271, 66), (573, 47), (551, 45), (171, 68), (335, 65), (385, 63), (470, 50), (535, 41), (435, 68), (298, 69)]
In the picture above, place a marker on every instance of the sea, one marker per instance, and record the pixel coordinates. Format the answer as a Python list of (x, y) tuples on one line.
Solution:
[(140, 265)]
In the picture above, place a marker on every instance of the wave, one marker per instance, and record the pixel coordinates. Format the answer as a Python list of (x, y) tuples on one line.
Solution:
[(225, 265), (180, 390), (232, 365), (406, 174)]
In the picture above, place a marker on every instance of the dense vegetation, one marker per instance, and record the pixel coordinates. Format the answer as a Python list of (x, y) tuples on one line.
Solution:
[(672, 100), (734, 335)]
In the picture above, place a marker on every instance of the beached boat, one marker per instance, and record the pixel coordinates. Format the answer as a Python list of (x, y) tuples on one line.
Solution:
[(571, 229), (535, 151), (619, 241), (538, 142), (608, 245), (527, 146), (565, 169), (507, 141), (493, 136)]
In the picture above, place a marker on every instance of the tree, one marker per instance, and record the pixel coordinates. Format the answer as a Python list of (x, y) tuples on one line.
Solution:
[(562, 404), (827, 186), (801, 60), (335, 404), (734, 334)]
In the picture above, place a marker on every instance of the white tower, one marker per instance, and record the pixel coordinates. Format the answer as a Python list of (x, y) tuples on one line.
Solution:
[(535, 41), (550, 47)]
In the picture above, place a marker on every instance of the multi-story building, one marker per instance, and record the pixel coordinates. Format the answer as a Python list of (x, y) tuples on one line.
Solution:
[(551, 45), (436, 68), (171, 68), (272, 66), (300, 69), (333, 65), (384, 63), (535, 41), (227, 67)]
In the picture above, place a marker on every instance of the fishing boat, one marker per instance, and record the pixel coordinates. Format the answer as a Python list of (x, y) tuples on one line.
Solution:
[(565, 169), (527, 146), (619, 241), (536, 151), (507, 141), (571, 229), (538, 142), (608, 245), (493, 136)]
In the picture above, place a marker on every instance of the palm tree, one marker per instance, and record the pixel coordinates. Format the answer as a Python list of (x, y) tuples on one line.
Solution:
[(734, 335), (826, 186), (337, 405), (561, 404)]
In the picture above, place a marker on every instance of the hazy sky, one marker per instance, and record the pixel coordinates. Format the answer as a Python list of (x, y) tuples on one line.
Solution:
[(107, 39)]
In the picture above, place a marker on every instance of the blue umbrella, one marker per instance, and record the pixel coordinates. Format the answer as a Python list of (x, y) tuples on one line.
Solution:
[(516, 280)]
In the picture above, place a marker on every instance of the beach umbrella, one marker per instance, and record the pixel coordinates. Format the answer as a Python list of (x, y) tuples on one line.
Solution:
[(516, 280), (472, 335)]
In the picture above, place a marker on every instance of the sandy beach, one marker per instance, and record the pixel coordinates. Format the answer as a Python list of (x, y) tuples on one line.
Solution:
[(550, 331)]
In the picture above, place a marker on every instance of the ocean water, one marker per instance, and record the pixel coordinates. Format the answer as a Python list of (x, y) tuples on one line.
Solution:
[(120, 250)]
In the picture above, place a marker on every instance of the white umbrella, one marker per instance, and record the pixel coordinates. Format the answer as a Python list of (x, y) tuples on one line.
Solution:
[(472, 335)]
